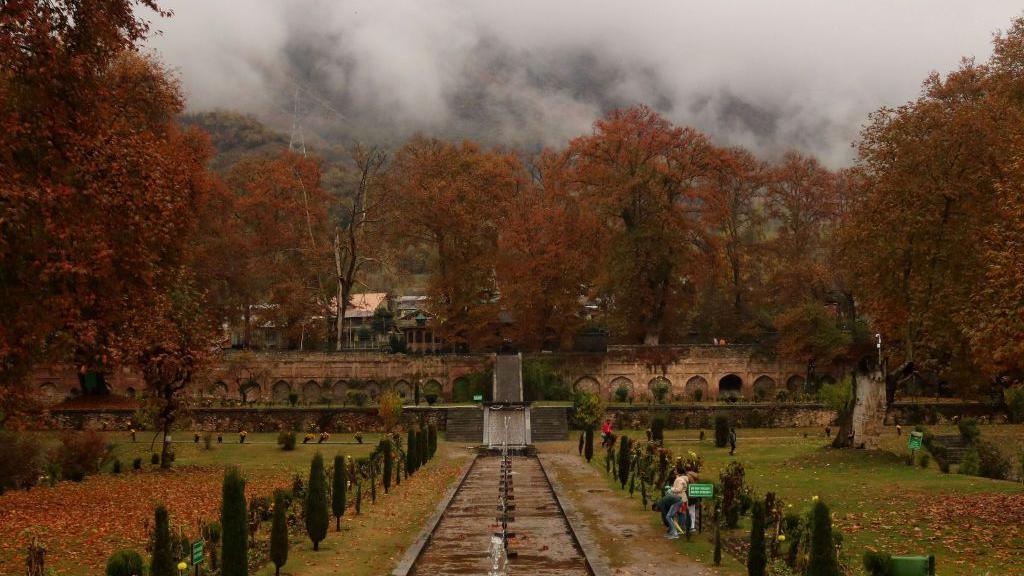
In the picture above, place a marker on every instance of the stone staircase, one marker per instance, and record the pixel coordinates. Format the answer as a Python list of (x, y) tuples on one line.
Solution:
[(955, 445), (508, 378), (465, 424), (548, 424)]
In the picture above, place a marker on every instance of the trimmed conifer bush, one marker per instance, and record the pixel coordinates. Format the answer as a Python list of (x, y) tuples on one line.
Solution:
[(624, 444), (340, 483), (317, 519), (588, 448), (721, 431), (279, 532), (162, 563), (234, 524), (410, 453), (432, 440), (421, 441), (757, 558), (137, 464), (582, 434), (823, 560), (116, 469), (658, 429), (211, 532), (385, 451), (125, 563)]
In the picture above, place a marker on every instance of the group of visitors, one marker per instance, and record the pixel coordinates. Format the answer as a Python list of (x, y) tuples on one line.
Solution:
[(678, 510)]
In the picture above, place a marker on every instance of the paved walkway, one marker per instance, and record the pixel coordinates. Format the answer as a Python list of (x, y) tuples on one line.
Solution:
[(614, 526)]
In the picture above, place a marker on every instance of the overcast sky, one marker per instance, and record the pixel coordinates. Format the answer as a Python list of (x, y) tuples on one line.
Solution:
[(767, 74)]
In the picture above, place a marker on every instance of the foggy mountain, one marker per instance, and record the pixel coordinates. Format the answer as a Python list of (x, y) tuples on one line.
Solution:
[(768, 76)]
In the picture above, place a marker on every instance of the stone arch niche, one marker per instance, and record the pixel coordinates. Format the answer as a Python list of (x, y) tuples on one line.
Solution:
[(338, 390), (280, 391), (730, 386), (249, 391), (404, 390), (310, 392), (764, 386), (795, 384), (697, 388), (587, 384), (48, 392), (220, 390), (620, 383), (659, 382), (433, 387), (372, 390), (129, 392)]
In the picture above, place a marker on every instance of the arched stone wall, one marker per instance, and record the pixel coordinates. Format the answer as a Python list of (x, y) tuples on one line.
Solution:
[(619, 382), (311, 392), (697, 389), (764, 387), (730, 385), (338, 390), (795, 384), (662, 382), (280, 391), (587, 384)]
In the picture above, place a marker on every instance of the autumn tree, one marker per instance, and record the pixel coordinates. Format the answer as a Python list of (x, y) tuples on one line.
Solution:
[(547, 251), (452, 201), (97, 183), (641, 175)]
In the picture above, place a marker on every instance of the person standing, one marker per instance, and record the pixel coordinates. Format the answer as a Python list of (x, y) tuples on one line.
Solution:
[(606, 432), (732, 441)]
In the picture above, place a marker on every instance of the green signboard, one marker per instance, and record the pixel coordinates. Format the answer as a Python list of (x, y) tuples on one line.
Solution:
[(700, 490), (478, 398), (197, 552), (915, 440)]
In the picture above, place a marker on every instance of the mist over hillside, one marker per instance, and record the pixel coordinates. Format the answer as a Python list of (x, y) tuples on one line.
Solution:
[(533, 74)]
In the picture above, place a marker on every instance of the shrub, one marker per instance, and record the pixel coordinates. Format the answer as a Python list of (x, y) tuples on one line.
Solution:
[(971, 464), (757, 556), (421, 440), (923, 460), (162, 563), (658, 429), (410, 449), (137, 464), (116, 467), (823, 560), (431, 398), (385, 452), (721, 431), (969, 430), (286, 440), (125, 563), (732, 479), (356, 397), (588, 445), (992, 463), (208, 441), (1014, 398), (316, 502), (80, 453), (587, 410), (234, 524), (782, 395), (21, 460), (660, 391), (877, 563), (698, 395), (293, 398), (621, 393), (624, 460), (211, 532), (339, 484), (279, 533), (543, 381), (389, 408), (154, 459)]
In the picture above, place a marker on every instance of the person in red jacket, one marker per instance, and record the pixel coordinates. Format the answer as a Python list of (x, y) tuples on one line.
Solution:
[(606, 432)]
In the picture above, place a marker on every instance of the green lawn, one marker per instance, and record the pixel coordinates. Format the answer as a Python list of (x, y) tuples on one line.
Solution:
[(972, 525)]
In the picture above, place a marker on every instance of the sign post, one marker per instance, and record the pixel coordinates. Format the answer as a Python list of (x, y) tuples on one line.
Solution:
[(197, 554), (914, 444), (701, 492)]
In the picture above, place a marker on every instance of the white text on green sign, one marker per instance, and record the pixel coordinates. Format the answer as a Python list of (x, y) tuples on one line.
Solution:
[(700, 490)]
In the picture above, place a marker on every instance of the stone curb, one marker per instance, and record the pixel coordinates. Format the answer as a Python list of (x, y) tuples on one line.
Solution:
[(412, 553), (595, 563)]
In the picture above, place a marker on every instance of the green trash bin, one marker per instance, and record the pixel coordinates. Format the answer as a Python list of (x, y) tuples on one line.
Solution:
[(913, 566)]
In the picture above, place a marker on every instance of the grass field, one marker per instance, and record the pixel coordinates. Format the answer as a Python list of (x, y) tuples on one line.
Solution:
[(82, 523), (972, 525)]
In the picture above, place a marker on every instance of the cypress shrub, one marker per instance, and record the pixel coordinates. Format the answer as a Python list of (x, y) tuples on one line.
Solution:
[(340, 483), (582, 434), (717, 558), (234, 524), (316, 502), (125, 563), (658, 429), (279, 533), (211, 532), (588, 449), (359, 497), (421, 439), (823, 561), (398, 462), (154, 459), (877, 563), (116, 469), (385, 450), (162, 563), (432, 439), (721, 431), (624, 443), (137, 464), (410, 453), (757, 558)]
